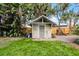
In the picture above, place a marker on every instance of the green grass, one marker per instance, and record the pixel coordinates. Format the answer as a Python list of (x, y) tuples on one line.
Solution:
[(27, 47)]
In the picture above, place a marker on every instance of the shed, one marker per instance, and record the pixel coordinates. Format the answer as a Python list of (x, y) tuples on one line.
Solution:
[(41, 27)]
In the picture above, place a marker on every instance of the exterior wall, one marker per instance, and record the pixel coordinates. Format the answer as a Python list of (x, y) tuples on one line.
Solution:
[(42, 31), (35, 31), (47, 31)]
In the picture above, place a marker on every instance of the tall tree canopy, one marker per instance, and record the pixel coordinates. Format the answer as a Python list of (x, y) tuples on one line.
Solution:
[(14, 14)]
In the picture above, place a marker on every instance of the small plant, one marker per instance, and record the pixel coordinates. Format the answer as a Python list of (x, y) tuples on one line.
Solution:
[(76, 30), (76, 41)]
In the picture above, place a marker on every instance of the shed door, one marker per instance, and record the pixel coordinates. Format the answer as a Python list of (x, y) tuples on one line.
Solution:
[(41, 31)]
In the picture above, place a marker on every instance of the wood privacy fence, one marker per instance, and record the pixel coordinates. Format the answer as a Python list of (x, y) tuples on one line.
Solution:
[(65, 30)]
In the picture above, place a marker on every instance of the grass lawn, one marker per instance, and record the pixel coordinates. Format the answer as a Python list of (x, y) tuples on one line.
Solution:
[(27, 47)]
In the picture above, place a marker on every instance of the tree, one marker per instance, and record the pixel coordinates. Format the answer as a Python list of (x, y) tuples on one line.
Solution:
[(8, 11), (60, 9), (16, 14), (75, 30)]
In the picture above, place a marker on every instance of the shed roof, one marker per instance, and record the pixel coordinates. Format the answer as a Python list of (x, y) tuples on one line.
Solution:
[(42, 17)]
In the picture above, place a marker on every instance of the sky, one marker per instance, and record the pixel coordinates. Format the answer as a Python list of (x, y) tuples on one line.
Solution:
[(73, 6)]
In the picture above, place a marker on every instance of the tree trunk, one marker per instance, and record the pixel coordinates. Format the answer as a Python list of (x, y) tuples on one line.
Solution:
[(75, 20), (59, 29), (70, 24), (59, 32)]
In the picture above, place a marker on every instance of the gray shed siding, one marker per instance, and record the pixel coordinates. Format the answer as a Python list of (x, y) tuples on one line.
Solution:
[(36, 31), (41, 27)]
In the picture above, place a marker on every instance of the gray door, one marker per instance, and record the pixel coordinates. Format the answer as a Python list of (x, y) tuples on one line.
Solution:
[(41, 31)]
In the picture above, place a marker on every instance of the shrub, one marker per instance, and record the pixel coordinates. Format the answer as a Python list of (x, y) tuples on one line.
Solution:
[(76, 30), (76, 41)]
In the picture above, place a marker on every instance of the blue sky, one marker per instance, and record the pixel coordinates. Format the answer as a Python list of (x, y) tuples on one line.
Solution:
[(73, 6)]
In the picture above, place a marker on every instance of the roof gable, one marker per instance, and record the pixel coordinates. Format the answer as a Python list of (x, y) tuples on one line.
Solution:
[(44, 17)]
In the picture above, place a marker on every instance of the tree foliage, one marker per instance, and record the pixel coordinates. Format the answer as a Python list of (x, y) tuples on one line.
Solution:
[(76, 30), (15, 14)]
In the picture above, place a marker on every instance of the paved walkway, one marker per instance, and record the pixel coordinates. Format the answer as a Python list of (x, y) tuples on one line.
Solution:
[(70, 38), (67, 38), (4, 41)]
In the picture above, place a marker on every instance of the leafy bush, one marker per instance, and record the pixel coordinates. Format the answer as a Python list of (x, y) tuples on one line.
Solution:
[(76, 41), (76, 30)]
